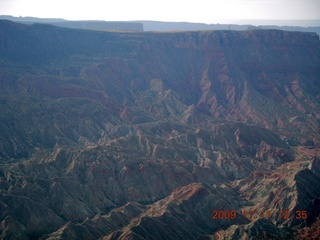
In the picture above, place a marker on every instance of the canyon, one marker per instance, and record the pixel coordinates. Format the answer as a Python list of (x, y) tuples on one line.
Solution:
[(143, 135)]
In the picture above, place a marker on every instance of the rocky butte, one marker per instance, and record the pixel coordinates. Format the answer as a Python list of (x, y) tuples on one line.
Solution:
[(146, 135)]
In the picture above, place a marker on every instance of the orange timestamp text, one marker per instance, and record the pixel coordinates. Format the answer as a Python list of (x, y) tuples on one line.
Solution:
[(252, 215)]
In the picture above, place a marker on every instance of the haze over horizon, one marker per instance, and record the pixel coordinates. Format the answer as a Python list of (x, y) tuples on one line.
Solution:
[(280, 12)]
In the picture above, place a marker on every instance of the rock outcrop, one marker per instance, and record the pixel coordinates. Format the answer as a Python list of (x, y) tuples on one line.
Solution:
[(107, 135)]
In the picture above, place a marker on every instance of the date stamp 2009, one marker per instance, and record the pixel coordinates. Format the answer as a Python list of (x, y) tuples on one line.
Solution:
[(252, 215)]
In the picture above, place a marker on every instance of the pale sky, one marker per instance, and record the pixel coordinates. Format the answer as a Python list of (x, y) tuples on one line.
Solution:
[(206, 11)]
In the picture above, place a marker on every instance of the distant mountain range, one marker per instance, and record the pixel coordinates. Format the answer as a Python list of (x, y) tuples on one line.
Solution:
[(158, 135), (185, 26), (314, 26), (89, 25)]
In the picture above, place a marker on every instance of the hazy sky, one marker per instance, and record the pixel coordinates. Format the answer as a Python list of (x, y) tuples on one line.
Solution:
[(207, 11)]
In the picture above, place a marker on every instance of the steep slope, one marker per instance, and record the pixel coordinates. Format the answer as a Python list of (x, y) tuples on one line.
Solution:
[(144, 135)]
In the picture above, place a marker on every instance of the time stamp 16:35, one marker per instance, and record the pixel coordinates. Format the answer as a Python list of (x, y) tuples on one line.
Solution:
[(252, 215)]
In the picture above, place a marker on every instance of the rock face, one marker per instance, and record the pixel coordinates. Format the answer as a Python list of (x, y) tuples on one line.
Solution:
[(145, 135)]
